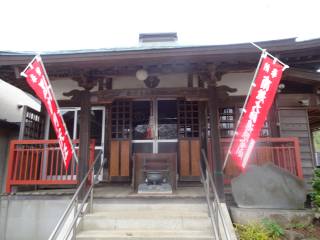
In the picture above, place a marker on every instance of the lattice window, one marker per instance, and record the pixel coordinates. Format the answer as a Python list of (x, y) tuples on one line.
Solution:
[(120, 119), (188, 119), (265, 128), (32, 124), (227, 118)]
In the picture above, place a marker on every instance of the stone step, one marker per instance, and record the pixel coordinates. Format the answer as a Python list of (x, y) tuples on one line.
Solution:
[(144, 235), (147, 207), (153, 220)]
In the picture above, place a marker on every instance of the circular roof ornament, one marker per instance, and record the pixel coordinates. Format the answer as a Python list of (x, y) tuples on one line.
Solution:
[(142, 74)]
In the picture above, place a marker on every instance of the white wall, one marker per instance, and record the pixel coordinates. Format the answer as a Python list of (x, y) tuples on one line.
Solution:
[(61, 86), (10, 96), (166, 81), (241, 81), (30, 218), (6, 136)]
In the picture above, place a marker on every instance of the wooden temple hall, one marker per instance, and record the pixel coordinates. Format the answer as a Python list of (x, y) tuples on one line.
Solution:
[(194, 95)]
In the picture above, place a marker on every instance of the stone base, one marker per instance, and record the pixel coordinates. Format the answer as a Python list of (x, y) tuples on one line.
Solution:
[(282, 217), (151, 189)]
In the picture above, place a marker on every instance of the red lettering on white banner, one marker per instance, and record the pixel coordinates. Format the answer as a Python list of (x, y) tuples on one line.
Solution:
[(37, 80), (256, 111)]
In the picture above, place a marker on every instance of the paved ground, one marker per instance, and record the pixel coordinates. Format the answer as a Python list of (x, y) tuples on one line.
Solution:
[(122, 191)]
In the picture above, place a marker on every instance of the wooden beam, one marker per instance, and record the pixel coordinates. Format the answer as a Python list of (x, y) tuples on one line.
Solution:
[(84, 144), (235, 68), (191, 94), (293, 72), (216, 157), (190, 80), (154, 70), (200, 82), (109, 84), (315, 125), (314, 114), (100, 85), (315, 87), (306, 61)]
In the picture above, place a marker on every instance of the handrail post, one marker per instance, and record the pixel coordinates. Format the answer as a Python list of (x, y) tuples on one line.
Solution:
[(208, 187), (224, 224), (11, 166), (83, 201), (75, 196), (216, 215), (213, 222), (297, 157), (74, 215), (91, 197)]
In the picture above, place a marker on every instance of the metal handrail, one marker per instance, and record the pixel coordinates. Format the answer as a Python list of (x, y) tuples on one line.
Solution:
[(213, 219), (74, 198), (217, 202), (82, 204)]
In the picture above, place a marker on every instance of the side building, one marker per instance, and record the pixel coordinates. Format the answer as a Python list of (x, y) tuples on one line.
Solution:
[(12, 102)]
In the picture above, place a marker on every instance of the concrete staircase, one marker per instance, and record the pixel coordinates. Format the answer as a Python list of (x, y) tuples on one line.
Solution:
[(147, 219)]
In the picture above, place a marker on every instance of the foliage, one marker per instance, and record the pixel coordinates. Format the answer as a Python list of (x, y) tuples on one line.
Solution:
[(274, 229), (252, 231), (315, 194), (316, 140), (303, 227)]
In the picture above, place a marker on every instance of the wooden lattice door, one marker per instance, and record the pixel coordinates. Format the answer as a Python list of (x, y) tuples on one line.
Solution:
[(31, 128), (32, 124), (189, 140), (120, 144)]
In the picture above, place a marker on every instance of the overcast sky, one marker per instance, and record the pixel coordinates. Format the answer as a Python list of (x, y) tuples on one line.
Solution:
[(68, 25)]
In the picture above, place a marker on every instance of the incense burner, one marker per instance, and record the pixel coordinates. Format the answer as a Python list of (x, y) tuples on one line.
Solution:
[(155, 177)]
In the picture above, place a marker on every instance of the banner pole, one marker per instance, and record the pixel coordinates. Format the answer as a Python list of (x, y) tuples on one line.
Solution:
[(244, 106), (285, 65), (30, 63), (54, 98)]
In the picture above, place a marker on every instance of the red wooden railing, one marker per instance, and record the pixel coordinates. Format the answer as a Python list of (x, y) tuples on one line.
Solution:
[(283, 152), (39, 162)]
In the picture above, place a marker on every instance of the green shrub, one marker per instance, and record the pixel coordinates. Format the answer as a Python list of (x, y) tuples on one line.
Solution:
[(315, 194), (252, 231), (274, 229), (303, 227)]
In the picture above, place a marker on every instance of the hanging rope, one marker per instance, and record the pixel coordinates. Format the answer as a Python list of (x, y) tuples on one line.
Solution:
[(151, 101), (150, 133)]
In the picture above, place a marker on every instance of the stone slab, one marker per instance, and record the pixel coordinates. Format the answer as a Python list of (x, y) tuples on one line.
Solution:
[(145, 235), (148, 220), (154, 189), (232, 233), (282, 217), (269, 186)]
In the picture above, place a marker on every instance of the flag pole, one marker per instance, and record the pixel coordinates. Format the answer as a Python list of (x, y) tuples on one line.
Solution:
[(59, 111), (244, 106), (39, 59), (276, 59), (263, 55)]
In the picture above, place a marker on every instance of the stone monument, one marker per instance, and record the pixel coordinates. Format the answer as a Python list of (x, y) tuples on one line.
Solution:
[(269, 186), (270, 192)]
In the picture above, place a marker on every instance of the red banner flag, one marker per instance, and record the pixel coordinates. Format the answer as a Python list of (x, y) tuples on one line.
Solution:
[(256, 111), (36, 78)]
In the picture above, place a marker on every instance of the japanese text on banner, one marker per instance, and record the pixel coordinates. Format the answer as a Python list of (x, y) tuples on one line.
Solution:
[(37, 80), (256, 111)]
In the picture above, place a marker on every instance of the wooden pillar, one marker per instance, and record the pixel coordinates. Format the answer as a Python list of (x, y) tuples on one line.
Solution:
[(272, 119), (217, 161), (84, 145), (107, 141)]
